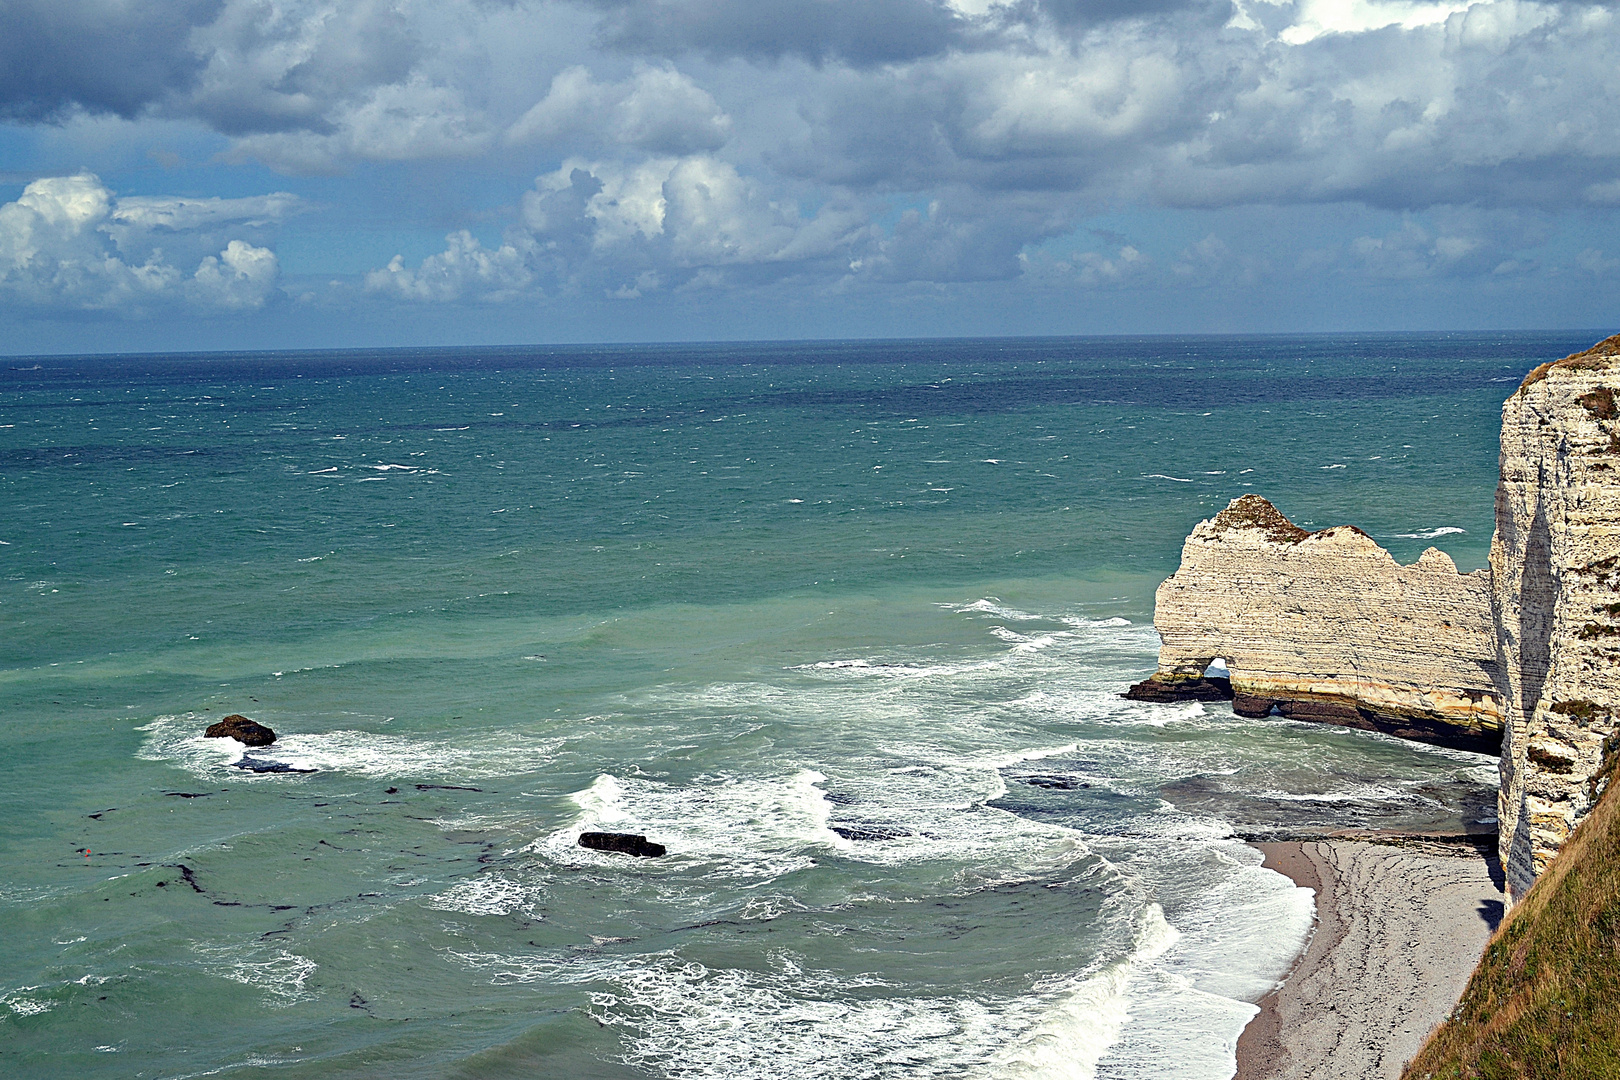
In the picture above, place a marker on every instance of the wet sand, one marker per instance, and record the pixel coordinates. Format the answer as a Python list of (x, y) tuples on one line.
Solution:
[(1400, 925)]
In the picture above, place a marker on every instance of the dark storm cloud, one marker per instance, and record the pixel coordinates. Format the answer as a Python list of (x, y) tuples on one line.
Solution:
[(1073, 13), (859, 32), (273, 68), (103, 56)]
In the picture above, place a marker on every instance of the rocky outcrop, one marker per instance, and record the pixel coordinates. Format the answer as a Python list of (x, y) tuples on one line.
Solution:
[(1555, 565), (245, 731), (1327, 626), (622, 843)]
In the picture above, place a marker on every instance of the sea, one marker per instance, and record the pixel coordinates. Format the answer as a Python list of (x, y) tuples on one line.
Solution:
[(842, 625)]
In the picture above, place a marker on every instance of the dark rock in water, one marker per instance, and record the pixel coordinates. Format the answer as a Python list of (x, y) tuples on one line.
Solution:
[(243, 730), (255, 765), (869, 832), (1252, 705), (623, 843), (1157, 688), (1055, 783)]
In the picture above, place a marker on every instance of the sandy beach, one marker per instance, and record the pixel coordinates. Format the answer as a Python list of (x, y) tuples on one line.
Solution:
[(1400, 925)]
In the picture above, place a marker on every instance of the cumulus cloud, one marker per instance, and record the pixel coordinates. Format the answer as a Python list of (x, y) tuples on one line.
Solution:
[(931, 140), (68, 243), (241, 276), (408, 121), (658, 110), (611, 229), (464, 268)]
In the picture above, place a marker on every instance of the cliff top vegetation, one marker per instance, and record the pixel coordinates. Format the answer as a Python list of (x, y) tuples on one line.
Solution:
[(1599, 356), (1256, 512), (1544, 1001)]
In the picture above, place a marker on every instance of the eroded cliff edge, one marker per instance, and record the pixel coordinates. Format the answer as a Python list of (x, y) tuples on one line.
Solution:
[(1555, 571), (1327, 626)]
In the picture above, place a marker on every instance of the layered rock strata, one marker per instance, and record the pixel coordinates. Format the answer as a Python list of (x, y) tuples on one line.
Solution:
[(1327, 626), (1555, 566)]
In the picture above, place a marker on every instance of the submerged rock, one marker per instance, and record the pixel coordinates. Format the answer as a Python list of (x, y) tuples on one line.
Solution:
[(249, 764), (245, 731), (868, 832), (622, 843)]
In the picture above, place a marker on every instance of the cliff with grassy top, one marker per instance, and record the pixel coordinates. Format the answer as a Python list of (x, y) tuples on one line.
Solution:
[(1544, 1002)]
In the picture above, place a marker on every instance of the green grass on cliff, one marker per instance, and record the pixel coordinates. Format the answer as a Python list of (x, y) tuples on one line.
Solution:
[(1545, 998)]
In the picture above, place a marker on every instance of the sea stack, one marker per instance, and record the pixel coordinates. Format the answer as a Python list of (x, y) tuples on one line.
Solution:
[(1327, 626), (245, 731), (1555, 566)]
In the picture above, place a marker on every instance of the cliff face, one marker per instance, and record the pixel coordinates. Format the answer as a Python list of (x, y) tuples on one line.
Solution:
[(1555, 565), (1328, 626)]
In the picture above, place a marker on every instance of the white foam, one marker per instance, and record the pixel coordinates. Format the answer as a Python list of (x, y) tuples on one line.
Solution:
[(993, 606), (879, 669), (1189, 1005), (1023, 642), (179, 741), (688, 1020), (491, 894), (281, 975), (1430, 534), (683, 1018), (747, 828), (1162, 476), (1359, 793), (20, 1003)]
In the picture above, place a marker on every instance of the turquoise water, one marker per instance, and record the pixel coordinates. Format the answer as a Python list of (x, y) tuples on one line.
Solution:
[(844, 625)]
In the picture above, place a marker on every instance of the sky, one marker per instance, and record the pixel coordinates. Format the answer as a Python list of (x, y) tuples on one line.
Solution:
[(260, 174)]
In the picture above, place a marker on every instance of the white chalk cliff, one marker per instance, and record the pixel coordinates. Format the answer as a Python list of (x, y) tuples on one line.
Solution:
[(1555, 571), (1327, 626)]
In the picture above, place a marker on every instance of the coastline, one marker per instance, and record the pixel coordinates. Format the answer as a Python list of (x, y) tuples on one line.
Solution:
[(1400, 923)]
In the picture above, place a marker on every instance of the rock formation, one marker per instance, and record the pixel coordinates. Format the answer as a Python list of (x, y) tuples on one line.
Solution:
[(623, 843), (1327, 626), (245, 731), (1555, 568)]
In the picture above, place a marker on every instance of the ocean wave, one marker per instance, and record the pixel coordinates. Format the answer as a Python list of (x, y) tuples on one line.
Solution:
[(179, 741), (1363, 793), (751, 828), (1084, 1020), (1430, 534), (684, 1018), (1237, 937), (491, 894), (991, 605), (1024, 642), (21, 1003), (880, 668), (280, 974), (1163, 476)]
